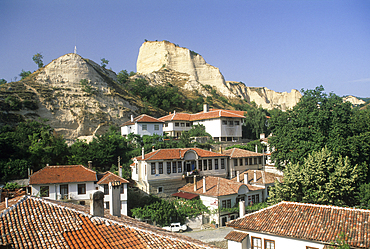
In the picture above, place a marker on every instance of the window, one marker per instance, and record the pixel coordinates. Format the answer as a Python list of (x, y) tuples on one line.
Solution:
[(160, 190), (106, 205), (269, 244), (166, 125), (216, 163), (81, 189), (222, 163), (250, 161), (200, 166), (160, 168), (246, 161), (174, 169), (231, 123), (168, 167), (205, 164), (210, 164), (187, 124), (177, 124), (224, 122), (228, 203), (182, 124), (260, 160), (179, 167), (122, 188), (236, 122), (256, 243), (106, 189), (144, 127), (44, 191), (153, 168), (156, 127), (241, 161), (235, 162), (64, 191), (223, 204)]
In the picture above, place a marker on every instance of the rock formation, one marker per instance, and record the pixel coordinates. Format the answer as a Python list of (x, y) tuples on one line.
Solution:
[(353, 100)]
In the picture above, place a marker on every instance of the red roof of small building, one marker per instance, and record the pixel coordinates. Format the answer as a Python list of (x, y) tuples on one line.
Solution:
[(63, 174), (269, 177), (311, 222), (110, 177), (236, 236), (187, 196), (240, 153), (176, 117), (177, 153), (211, 114), (143, 119), (39, 223)]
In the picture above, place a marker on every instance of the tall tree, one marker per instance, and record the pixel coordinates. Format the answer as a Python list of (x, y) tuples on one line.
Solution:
[(24, 74), (104, 62), (322, 178), (37, 58)]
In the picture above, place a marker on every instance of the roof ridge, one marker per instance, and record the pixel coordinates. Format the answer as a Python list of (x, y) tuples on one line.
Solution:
[(324, 206)]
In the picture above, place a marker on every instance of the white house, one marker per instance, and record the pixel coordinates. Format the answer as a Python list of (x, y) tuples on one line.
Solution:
[(241, 160), (222, 125), (164, 171), (76, 183), (220, 195), (142, 125), (300, 226)]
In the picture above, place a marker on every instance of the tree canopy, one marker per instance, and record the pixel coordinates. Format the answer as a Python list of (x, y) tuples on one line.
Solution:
[(37, 58)]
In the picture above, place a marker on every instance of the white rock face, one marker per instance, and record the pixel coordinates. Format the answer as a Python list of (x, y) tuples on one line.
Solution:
[(353, 100), (156, 55)]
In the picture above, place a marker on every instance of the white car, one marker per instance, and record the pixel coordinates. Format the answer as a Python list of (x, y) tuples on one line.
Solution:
[(176, 227)]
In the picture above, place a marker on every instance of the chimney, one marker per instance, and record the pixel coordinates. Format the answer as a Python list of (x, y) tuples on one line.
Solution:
[(262, 135), (204, 184), (132, 118), (263, 177), (114, 198), (241, 208), (47, 165), (195, 183), (174, 112), (152, 148), (6, 202), (205, 107), (89, 163), (120, 171), (245, 178), (142, 153), (255, 176), (97, 204), (256, 148), (237, 176)]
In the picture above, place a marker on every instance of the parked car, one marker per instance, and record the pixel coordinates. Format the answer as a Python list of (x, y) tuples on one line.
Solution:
[(176, 227)]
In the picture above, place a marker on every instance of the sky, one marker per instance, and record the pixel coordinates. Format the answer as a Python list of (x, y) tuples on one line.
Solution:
[(279, 44)]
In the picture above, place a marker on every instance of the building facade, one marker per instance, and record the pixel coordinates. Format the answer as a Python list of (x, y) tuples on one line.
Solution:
[(142, 125)]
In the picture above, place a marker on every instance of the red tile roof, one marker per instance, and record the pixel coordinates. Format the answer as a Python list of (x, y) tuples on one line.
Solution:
[(215, 186), (240, 153), (187, 196), (178, 153), (213, 113), (312, 222), (39, 223), (236, 236), (63, 174), (143, 119), (110, 177), (269, 177)]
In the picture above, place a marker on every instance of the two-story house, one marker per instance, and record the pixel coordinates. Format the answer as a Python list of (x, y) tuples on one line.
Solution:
[(221, 195), (76, 183), (142, 125), (241, 160), (164, 171), (300, 226), (222, 125)]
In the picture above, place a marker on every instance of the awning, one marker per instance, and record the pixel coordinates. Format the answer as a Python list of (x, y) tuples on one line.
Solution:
[(185, 195)]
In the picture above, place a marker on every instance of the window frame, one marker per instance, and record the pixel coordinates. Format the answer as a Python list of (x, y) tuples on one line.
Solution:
[(205, 164), (253, 246), (209, 164), (144, 127), (222, 163), (81, 188), (44, 192), (174, 167), (265, 241), (216, 164), (168, 167), (106, 189), (152, 168), (160, 168), (179, 167), (156, 127)]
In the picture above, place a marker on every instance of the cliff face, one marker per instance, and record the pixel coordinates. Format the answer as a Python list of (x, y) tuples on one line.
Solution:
[(72, 109), (353, 100), (154, 56)]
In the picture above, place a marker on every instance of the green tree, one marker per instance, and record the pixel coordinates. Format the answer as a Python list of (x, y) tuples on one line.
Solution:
[(251, 146), (122, 76), (24, 74), (255, 123), (104, 62), (2, 81), (322, 179), (37, 58)]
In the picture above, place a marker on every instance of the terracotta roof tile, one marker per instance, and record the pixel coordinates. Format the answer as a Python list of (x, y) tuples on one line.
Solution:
[(110, 177), (237, 153), (178, 153), (215, 186), (63, 174), (143, 119), (309, 222), (176, 117), (39, 223), (213, 113), (269, 177), (236, 236)]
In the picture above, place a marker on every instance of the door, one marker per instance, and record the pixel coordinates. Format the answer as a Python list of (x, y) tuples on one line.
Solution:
[(64, 191), (223, 221)]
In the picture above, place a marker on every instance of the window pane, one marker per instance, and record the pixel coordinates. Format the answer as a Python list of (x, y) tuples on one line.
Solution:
[(168, 167), (216, 163), (44, 191), (153, 168), (174, 169), (81, 189), (210, 164), (179, 167), (160, 168)]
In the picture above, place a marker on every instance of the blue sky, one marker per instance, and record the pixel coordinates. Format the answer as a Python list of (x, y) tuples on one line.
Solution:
[(277, 44)]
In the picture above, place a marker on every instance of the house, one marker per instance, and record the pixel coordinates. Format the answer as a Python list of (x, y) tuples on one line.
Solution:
[(164, 171), (76, 183), (241, 160), (300, 226), (142, 125), (270, 164), (258, 178), (222, 125), (221, 196), (31, 222)]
